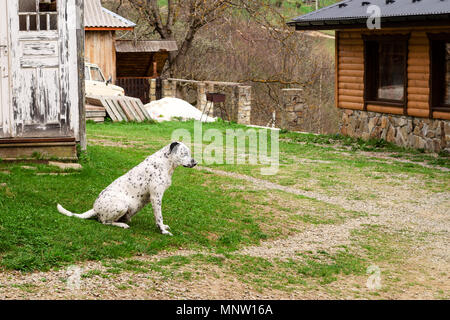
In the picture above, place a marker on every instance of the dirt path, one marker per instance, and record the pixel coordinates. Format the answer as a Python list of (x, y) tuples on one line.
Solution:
[(210, 283)]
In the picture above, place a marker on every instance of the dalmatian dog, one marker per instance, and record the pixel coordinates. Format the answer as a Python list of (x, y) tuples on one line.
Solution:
[(145, 183)]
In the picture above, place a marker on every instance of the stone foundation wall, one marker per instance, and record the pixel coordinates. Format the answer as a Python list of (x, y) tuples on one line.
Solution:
[(418, 133), (296, 114)]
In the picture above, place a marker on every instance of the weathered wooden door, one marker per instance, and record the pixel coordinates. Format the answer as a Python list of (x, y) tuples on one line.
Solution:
[(5, 106), (39, 67)]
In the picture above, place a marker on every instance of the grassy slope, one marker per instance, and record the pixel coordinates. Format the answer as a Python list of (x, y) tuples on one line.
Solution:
[(35, 236), (289, 9)]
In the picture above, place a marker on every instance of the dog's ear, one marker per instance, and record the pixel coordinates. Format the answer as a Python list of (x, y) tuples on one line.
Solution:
[(173, 146)]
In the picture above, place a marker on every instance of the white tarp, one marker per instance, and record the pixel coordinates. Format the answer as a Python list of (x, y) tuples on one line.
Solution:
[(168, 108)]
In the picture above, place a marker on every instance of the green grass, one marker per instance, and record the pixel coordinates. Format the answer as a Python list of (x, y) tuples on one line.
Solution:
[(207, 212), (26, 287), (380, 244), (290, 7), (258, 272), (34, 236)]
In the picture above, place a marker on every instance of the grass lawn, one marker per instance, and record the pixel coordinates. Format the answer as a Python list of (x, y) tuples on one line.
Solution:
[(217, 216), (35, 236)]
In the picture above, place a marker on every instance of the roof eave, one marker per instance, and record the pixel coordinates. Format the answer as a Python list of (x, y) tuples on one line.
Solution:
[(108, 28), (387, 22), (143, 46)]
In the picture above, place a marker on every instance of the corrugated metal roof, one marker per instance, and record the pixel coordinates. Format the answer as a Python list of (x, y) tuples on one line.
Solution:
[(145, 46), (95, 16), (357, 9)]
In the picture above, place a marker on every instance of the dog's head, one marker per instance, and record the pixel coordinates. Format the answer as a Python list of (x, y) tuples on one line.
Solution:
[(181, 155)]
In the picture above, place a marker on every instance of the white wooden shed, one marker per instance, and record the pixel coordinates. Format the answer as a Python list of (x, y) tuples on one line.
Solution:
[(41, 78)]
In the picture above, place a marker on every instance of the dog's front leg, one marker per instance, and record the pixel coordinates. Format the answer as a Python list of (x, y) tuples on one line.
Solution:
[(156, 200)]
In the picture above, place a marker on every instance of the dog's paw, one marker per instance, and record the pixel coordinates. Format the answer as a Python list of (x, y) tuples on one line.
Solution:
[(165, 229), (166, 232), (121, 225)]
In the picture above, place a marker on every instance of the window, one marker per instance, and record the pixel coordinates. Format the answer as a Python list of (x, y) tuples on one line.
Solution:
[(440, 71), (38, 15), (96, 75), (385, 70)]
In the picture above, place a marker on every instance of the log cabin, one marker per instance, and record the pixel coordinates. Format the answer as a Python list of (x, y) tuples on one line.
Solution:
[(41, 79), (392, 77), (130, 64)]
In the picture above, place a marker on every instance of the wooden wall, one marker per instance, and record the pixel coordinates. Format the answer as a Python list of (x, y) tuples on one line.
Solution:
[(140, 64), (100, 49), (350, 71)]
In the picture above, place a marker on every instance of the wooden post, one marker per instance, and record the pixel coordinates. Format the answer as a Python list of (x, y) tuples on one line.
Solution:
[(155, 69), (81, 86)]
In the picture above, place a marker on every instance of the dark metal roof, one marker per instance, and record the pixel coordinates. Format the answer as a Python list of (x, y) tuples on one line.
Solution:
[(348, 12)]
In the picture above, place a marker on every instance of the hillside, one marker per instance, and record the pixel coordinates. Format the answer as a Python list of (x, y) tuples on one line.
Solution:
[(253, 47)]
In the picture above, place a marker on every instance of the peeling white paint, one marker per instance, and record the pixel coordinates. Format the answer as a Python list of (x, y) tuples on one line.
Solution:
[(43, 76), (40, 62), (4, 73), (38, 48)]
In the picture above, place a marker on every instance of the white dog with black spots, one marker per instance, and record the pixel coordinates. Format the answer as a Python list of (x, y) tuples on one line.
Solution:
[(145, 183)]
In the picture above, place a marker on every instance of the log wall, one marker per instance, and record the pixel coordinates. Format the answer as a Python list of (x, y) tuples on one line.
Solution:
[(350, 71)]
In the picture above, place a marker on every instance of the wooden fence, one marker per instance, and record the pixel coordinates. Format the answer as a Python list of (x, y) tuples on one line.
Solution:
[(136, 87)]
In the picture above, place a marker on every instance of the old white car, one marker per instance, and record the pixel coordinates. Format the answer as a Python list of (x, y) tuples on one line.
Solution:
[(96, 85)]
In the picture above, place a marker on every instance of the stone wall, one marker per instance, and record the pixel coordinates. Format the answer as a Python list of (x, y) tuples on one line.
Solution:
[(296, 114), (239, 97), (244, 104), (419, 133), (152, 89), (169, 89)]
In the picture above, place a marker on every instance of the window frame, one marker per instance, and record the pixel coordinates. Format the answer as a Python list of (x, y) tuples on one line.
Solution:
[(87, 73), (371, 69), (38, 15), (437, 72), (99, 71)]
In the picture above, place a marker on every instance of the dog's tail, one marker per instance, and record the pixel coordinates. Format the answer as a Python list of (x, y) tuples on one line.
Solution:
[(87, 215)]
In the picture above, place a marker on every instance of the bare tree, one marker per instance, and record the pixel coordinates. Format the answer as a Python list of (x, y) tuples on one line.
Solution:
[(194, 14), (244, 41)]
